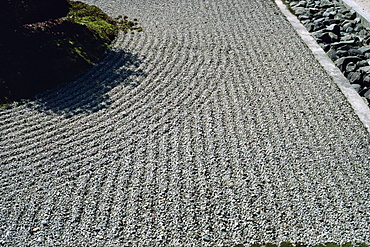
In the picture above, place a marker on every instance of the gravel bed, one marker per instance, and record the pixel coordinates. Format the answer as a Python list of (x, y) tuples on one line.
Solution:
[(343, 37), (205, 129)]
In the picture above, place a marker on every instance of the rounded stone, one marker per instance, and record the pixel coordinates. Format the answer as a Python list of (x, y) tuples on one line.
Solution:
[(356, 87)]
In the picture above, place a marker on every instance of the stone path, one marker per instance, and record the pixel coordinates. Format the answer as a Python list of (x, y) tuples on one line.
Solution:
[(215, 126)]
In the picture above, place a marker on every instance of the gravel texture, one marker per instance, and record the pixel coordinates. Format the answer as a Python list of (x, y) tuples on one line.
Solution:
[(342, 35), (213, 127)]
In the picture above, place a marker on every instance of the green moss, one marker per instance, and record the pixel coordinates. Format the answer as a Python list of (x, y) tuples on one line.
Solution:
[(300, 244), (94, 19), (255, 245), (286, 244), (271, 245), (99, 22), (42, 55)]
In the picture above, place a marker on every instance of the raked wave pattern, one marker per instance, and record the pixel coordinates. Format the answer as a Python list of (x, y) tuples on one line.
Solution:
[(214, 126)]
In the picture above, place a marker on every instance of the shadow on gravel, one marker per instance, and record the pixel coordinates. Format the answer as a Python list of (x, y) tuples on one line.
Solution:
[(89, 93)]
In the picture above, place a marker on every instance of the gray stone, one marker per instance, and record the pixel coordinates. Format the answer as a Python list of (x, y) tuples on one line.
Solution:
[(329, 14), (343, 47), (299, 10), (343, 11), (362, 63), (333, 37), (347, 25), (354, 52), (326, 37), (359, 27), (348, 37), (345, 43), (367, 95), (364, 49), (334, 28), (318, 26), (325, 47), (326, 4), (342, 53), (302, 4), (303, 17), (351, 67), (356, 87), (319, 20), (332, 54), (366, 41), (366, 80), (310, 27), (332, 21), (350, 30), (365, 70), (313, 11), (363, 33), (354, 77), (343, 61), (351, 15)]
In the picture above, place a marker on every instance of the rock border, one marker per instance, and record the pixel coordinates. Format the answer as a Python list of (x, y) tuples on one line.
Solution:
[(354, 92)]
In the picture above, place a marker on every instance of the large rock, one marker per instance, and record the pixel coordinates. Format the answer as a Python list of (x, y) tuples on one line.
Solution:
[(300, 10), (301, 4), (354, 52), (365, 70), (351, 15), (367, 95), (332, 54), (19, 12), (326, 37), (364, 49), (342, 53), (354, 77), (359, 27), (326, 4), (356, 87), (347, 24), (366, 80), (330, 14), (351, 67), (334, 28), (362, 63), (343, 61), (343, 45)]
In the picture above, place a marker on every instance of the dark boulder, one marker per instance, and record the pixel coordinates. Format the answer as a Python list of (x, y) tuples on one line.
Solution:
[(334, 28), (354, 77), (343, 61)]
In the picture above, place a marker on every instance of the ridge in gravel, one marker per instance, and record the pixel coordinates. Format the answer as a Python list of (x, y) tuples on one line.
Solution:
[(222, 130)]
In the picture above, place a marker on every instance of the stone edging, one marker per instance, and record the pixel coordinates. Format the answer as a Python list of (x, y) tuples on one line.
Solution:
[(357, 102), (365, 17)]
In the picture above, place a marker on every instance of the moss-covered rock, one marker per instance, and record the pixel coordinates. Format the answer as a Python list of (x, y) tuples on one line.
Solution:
[(40, 55)]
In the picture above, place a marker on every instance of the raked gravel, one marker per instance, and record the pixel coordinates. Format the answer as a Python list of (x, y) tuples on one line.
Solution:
[(215, 126)]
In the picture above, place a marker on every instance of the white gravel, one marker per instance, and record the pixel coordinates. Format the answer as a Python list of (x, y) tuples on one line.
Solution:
[(215, 126)]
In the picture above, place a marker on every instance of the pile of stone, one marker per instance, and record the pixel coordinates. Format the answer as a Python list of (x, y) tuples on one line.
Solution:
[(343, 37)]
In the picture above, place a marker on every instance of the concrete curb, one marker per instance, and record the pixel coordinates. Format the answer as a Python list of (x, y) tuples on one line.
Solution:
[(358, 104), (364, 16)]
